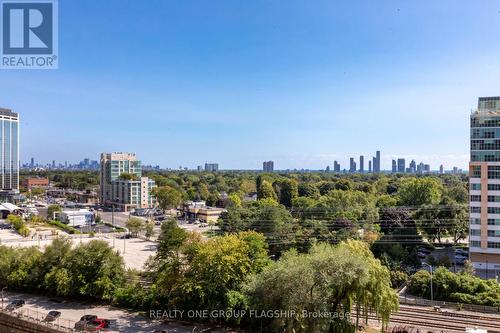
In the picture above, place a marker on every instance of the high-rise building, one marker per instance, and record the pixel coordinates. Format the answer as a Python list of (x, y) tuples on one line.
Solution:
[(32, 162), (336, 166), (394, 166), (122, 184), (352, 165), (376, 162), (401, 165), (441, 169), (9, 153), (413, 166), (211, 167), (484, 187), (361, 164), (267, 166), (369, 166)]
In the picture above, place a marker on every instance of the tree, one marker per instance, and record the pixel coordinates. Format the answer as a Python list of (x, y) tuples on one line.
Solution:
[(266, 191), (135, 225), (327, 279), (308, 190), (168, 197), (91, 270), (170, 240), (149, 230), (288, 192), (219, 268), (420, 191), (51, 210)]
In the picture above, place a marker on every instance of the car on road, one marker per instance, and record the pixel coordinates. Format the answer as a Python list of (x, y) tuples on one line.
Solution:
[(83, 322), (52, 315), (15, 304)]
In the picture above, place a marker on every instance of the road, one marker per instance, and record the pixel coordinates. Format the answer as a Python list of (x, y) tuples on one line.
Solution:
[(121, 320)]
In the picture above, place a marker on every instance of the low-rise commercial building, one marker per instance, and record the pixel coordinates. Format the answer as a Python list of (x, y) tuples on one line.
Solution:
[(31, 182), (198, 210)]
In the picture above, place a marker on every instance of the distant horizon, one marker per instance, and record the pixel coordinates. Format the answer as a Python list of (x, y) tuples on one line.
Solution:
[(302, 84)]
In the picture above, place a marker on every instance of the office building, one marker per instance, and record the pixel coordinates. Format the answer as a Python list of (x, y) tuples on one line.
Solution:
[(361, 164), (211, 167), (267, 166), (484, 187), (376, 162), (122, 184), (336, 166), (394, 166), (441, 169), (369, 166), (401, 165), (352, 165), (413, 166), (9, 154)]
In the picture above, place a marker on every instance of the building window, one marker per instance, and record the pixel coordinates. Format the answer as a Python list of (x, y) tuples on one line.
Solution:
[(476, 198), (493, 221), (476, 209), (475, 244), (476, 171), (493, 210), (493, 233), (494, 245), (493, 187), (493, 198), (476, 187), (475, 232), (475, 221), (494, 172)]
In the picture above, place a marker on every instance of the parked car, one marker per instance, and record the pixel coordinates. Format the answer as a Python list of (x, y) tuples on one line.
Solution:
[(97, 324), (421, 255), (52, 315), (83, 322), (424, 250), (203, 225), (461, 252), (15, 304)]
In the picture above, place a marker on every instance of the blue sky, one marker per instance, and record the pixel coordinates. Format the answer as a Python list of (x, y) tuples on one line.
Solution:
[(239, 82)]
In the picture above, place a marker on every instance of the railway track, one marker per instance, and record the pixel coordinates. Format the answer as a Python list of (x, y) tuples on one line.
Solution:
[(450, 322)]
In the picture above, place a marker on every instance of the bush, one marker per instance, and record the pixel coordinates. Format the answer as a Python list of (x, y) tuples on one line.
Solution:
[(461, 288), (64, 227), (16, 221), (24, 231)]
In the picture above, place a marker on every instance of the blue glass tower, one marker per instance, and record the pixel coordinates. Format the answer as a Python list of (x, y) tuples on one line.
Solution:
[(9, 151)]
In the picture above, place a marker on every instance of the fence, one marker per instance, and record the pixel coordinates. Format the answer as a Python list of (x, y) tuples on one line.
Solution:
[(450, 305), (36, 317)]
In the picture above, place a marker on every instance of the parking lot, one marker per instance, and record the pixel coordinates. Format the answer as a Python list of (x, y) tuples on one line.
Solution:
[(71, 311)]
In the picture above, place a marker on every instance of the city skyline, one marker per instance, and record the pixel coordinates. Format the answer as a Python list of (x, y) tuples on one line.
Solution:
[(274, 83)]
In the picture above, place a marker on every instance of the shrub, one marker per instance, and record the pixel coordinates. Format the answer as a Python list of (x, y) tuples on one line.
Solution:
[(64, 227)]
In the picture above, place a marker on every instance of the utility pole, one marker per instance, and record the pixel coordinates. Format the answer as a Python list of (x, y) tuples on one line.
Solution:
[(113, 223), (432, 293)]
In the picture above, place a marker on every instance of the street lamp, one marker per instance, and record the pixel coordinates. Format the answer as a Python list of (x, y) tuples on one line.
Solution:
[(430, 266)]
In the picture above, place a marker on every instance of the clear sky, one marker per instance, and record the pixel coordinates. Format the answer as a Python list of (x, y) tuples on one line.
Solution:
[(238, 82)]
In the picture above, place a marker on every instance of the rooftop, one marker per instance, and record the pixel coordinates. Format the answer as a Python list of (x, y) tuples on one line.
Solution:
[(7, 112)]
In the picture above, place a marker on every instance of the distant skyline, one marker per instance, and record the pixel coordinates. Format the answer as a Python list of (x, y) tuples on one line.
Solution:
[(239, 83)]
